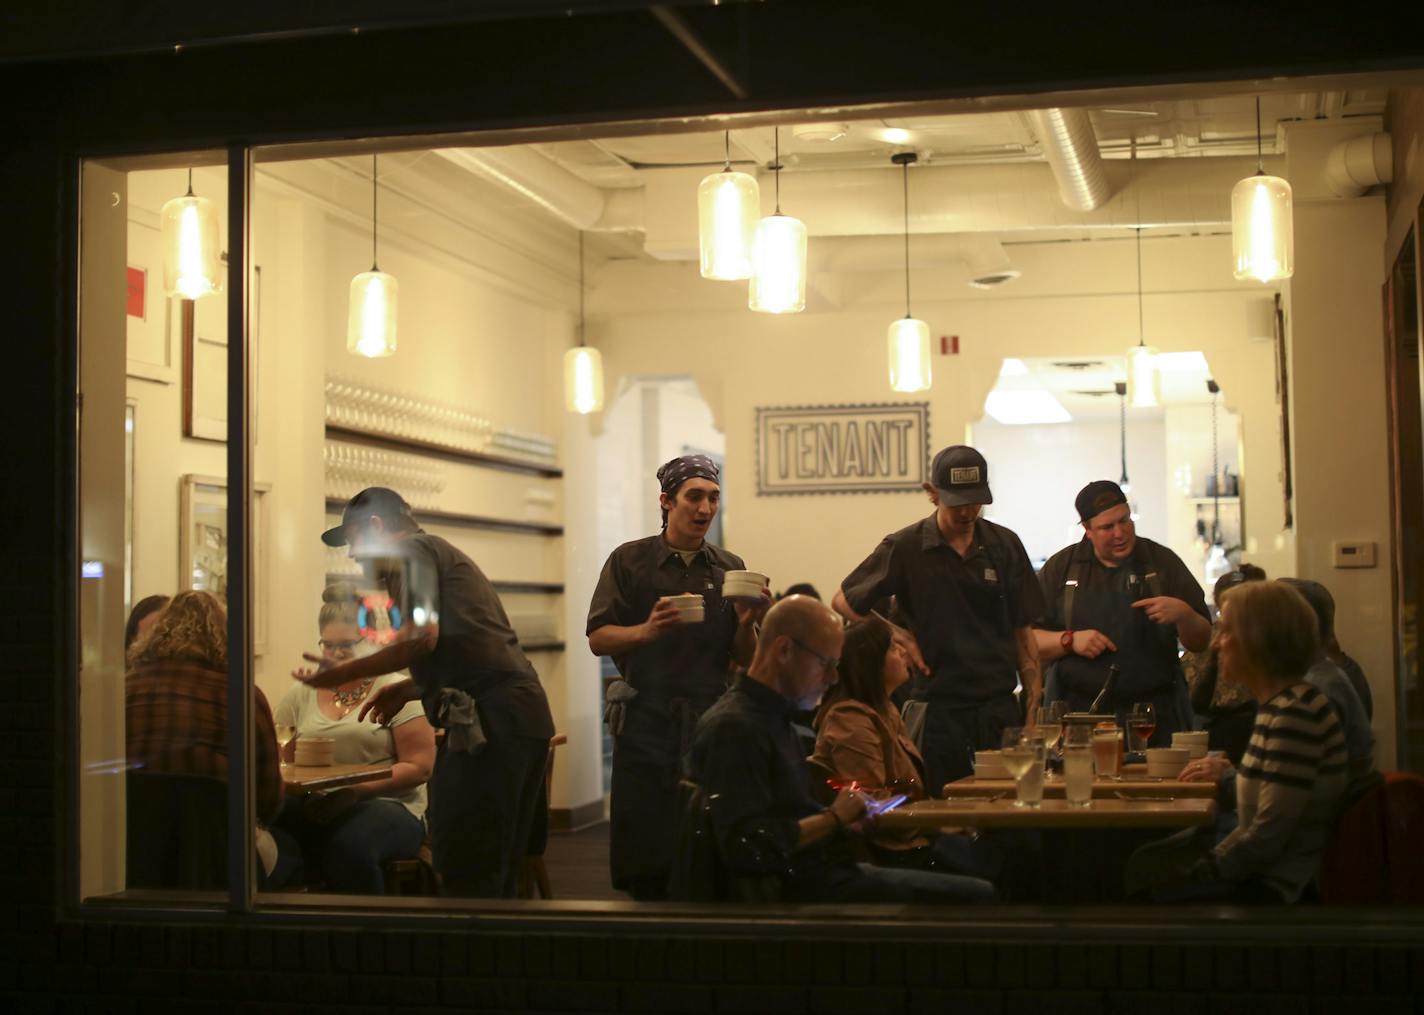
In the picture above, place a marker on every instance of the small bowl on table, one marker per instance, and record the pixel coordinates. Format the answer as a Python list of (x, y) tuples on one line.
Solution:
[(315, 751), (1166, 762), (1195, 741)]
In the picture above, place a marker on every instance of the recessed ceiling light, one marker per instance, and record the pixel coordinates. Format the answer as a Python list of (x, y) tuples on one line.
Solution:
[(895, 135), (1013, 367), (1020, 408)]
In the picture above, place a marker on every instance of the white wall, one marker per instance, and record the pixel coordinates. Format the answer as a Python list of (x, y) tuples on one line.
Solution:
[(1037, 471)]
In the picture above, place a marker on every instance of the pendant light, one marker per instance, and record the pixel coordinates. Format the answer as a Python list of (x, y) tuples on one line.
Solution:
[(190, 246), (908, 340), (1262, 241), (583, 365), (1144, 381), (1121, 389), (778, 283), (727, 207), (371, 311)]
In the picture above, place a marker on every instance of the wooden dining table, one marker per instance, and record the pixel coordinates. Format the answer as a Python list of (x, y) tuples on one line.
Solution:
[(1099, 813), (301, 779), (1129, 785)]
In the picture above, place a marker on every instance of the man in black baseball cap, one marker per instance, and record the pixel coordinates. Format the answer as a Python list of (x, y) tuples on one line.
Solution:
[(473, 679), (966, 590), (1116, 598)]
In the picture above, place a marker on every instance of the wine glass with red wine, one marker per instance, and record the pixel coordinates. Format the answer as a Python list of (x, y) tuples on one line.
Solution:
[(1142, 722)]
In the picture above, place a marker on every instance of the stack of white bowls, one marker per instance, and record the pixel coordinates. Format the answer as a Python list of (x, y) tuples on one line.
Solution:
[(744, 584), (315, 751), (1166, 762), (691, 607), (989, 765), (1193, 740)]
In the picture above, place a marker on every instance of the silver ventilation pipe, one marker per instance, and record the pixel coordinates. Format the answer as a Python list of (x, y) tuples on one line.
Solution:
[(1071, 148)]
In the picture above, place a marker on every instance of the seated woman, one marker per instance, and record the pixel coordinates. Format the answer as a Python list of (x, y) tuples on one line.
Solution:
[(1293, 775), (175, 710), (860, 737), (1228, 709), (348, 833)]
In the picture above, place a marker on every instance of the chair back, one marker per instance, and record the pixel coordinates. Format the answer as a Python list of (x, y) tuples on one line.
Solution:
[(177, 831), (697, 873), (1376, 856)]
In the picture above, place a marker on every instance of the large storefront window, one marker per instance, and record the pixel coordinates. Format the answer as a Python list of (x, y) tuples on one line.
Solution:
[(409, 311)]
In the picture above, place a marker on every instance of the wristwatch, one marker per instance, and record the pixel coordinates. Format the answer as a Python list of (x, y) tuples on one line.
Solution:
[(1067, 642)]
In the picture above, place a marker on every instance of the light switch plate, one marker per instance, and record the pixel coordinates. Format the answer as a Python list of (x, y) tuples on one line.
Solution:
[(1353, 554)]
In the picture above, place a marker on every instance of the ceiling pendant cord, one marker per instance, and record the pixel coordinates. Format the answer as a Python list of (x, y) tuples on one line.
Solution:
[(1260, 161), (190, 182), (776, 165), (904, 160), (582, 341), (1141, 331), (1122, 429), (726, 151), (373, 213)]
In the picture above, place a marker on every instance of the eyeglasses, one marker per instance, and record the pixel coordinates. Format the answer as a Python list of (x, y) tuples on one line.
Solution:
[(828, 662), (339, 646)]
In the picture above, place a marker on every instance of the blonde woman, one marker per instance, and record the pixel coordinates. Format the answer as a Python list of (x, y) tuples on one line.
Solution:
[(348, 834), (175, 705)]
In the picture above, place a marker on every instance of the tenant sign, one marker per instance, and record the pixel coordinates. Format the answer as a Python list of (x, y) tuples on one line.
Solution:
[(842, 448)]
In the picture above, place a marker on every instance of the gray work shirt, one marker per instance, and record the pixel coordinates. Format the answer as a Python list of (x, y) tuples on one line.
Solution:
[(963, 611), (477, 651), (691, 660)]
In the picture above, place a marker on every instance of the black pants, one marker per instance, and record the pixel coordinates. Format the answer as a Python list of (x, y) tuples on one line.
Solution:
[(481, 809), (953, 732)]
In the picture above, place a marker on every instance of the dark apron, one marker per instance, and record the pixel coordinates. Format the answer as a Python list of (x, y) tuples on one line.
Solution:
[(1148, 667), (657, 733)]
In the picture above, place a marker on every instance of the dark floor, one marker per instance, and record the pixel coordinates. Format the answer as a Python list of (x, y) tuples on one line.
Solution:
[(578, 864)]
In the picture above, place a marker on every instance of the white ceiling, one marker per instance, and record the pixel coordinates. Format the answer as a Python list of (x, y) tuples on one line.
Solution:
[(1224, 126), (1084, 385)]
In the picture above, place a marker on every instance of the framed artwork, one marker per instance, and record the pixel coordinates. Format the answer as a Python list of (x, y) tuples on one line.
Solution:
[(204, 328), (838, 449), (1283, 398), (202, 546), (149, 318)]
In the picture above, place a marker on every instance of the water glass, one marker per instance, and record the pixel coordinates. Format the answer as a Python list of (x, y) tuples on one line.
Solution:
[(1107, 751)]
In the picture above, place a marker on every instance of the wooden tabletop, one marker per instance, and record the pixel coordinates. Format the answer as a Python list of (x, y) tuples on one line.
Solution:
[(306, 778), (1128, 785), (1109, 813)]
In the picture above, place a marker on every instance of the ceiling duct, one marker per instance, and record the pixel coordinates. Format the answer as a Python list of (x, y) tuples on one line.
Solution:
[(1356, 165), (1071, 149)]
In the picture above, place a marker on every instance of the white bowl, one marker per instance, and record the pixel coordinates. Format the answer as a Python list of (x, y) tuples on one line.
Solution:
[(315, 751), (1195, 749), (1167, 762), (744, 583), (988, 765), (1184, 737)]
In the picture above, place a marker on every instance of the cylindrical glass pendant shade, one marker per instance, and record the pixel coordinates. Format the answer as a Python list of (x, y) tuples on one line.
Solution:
[(1262, 240), (190, 247), (583, 380), (371, 315), (778, 283), (728, 204), (1144, 380), (909, 347)]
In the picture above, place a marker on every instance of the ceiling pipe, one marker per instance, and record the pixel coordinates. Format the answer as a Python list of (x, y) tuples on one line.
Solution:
[(980, 257), (1071, 148), (551, 187), (1356, 165)]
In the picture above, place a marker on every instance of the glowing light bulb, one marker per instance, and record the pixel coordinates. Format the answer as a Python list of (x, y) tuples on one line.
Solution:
[(583, 380), (778, 283), (727, 207), (371, 315), (191, 266), (908, 342), (1262, 240), (1144, 380)]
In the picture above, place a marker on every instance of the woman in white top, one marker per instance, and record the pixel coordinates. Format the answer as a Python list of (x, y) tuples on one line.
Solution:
[(349, 833)]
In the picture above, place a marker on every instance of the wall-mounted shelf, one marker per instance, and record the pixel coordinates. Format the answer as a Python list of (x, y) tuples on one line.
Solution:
[(542, 646), (393, 443), (336, 504), (531, 588)]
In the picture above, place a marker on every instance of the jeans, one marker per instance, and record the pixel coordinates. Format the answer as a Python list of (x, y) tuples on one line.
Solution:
[(902, 884), (347, 853)]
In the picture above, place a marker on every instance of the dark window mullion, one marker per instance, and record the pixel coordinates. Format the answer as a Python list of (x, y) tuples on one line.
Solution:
[(240, 814)]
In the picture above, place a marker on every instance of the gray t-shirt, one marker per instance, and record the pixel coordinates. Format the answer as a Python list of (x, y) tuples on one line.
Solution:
[(357, 743)]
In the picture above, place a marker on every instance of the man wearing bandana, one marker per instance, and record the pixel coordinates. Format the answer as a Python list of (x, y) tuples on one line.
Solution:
[(670, 672)]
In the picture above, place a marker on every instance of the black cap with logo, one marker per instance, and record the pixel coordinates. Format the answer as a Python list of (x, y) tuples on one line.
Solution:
[(1097, 497), (961, 476), (374, 500)]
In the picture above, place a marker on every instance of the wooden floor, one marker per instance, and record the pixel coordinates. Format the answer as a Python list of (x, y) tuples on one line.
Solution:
[(578, 864)]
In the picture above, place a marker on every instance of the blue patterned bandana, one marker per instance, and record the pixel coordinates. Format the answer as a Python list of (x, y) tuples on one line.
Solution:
[(680, 470)]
